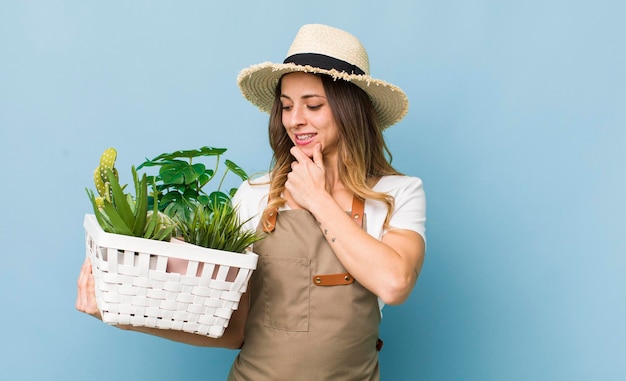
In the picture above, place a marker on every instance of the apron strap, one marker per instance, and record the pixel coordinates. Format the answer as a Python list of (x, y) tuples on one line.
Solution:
[(358, 206)]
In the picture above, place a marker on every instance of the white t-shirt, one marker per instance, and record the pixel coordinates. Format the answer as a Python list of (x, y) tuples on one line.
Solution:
[(409, 208)]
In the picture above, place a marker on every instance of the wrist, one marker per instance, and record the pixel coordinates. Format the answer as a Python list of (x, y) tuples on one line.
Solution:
[(321, 206)]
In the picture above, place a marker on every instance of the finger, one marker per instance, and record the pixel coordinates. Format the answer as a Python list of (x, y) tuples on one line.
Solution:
[(299, 155), (318, 157), (85, 300), (82, 285), (92, 306)]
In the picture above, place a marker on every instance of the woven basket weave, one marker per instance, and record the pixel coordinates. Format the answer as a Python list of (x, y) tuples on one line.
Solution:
[(135, 284)]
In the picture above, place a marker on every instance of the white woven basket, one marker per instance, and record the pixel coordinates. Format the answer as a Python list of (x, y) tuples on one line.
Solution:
[(135, 284)]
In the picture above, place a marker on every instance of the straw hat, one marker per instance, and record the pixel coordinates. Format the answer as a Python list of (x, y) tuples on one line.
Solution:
[(326, 50)]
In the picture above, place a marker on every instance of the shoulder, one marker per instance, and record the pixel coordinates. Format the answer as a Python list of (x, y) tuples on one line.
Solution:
[(397, 185), (409, 209), (251, 196), (253, 187)]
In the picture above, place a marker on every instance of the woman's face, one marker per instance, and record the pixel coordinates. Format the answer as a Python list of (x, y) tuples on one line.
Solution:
[(306, 114)]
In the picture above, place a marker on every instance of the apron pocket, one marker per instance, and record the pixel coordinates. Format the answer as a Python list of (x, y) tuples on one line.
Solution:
[(286, 283)]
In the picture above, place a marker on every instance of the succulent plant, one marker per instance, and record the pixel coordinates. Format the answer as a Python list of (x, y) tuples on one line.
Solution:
[(121, 213), (100, 176), (178, 204)]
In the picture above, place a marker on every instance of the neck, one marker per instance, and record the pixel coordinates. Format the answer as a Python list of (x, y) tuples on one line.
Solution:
[(333, 180), (336, 187)]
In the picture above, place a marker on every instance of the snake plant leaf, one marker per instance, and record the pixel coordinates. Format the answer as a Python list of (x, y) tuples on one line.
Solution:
[(141, 203), (150, 226), (236, 169), (106, 224), (153, 223), (96, 209), (122, 208), (117, 222)]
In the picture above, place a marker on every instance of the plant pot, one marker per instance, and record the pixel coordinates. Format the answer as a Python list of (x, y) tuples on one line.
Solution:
[(165, 285)]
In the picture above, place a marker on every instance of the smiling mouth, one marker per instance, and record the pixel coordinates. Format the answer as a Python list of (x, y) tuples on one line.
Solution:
[(304, 137)]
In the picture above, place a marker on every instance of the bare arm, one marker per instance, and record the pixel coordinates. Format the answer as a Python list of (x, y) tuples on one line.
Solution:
[(232, 338), (388, 268)]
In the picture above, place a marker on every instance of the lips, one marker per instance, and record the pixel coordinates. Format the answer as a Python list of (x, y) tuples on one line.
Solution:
[(304, 138)]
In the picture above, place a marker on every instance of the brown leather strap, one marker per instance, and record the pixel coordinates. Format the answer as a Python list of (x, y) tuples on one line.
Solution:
[(358, 205), (333, 279)]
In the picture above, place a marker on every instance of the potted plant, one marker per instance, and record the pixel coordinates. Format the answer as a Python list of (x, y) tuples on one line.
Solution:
[(206, 219), (145, 277)]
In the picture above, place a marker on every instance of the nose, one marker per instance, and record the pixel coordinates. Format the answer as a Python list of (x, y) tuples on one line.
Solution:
[(296, 117)]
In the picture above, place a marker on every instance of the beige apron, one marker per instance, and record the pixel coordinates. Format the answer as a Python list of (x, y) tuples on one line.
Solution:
[(308, 319)]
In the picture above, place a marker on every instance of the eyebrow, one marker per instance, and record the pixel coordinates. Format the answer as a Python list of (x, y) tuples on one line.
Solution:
[(306, 96)]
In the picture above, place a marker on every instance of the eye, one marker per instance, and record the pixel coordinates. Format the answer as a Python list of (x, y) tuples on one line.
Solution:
[(286, 107), (317, 107)]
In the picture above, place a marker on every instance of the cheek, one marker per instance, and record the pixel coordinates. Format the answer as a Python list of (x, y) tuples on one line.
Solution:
[(290, 136), (286, 129)]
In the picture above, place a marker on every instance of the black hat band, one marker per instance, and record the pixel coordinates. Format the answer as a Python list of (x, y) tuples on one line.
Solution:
[(323, 62)]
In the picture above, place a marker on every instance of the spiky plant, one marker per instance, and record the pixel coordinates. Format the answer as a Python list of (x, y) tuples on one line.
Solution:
[(121, 213), (218, 228)]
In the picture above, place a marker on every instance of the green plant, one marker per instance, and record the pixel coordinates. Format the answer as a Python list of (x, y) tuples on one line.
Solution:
[(121, 213), (178, 205), (219, 228), (180, 181), (205, 218)]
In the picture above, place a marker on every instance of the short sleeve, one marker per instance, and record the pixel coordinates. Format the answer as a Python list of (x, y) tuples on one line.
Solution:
[(250, 200), (409, 205)]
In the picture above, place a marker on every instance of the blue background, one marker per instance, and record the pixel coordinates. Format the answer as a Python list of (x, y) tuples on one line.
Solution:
[(517, 127)]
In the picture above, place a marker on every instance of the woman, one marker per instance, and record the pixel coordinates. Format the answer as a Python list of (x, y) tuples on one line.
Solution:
[(344, 229)]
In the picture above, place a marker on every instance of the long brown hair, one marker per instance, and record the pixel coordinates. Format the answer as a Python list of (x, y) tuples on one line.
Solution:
[(363, 154)]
